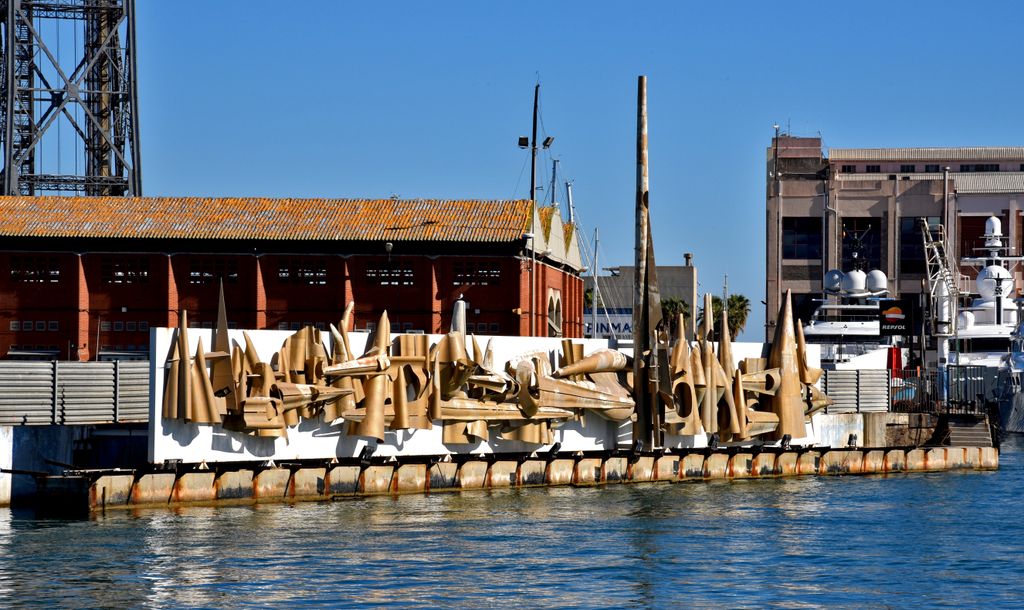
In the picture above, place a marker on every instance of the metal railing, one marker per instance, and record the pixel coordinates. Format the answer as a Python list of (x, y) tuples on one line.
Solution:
[(968, 390), (73, 393)]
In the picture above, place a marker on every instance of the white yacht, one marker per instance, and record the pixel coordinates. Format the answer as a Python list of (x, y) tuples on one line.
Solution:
[(984, 327), (846, 323)]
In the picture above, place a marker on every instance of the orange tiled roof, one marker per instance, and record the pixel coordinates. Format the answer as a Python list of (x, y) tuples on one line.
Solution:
[(264, 219)]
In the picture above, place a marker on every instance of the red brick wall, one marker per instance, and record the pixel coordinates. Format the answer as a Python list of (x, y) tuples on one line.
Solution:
[(97, 291), (39, 288)]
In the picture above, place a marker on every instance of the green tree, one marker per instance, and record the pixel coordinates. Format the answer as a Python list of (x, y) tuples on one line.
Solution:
[(670, 309), (738, 310)]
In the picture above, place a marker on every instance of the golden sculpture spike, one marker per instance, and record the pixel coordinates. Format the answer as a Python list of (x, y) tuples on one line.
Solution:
[(808, 374), (204, 404), (787, 403), (184, 370)]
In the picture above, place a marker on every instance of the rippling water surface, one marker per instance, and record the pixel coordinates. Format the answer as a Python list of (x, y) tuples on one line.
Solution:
[(944, 539)]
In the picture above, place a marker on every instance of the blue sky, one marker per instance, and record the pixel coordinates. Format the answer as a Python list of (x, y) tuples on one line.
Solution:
[(421, 99)]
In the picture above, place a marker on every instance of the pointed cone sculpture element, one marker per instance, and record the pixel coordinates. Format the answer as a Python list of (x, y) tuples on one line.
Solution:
[(170, 407), (399, 401), (459, 317), (435, 405), (725, 349), (184, 370), (709, 405), (708, 321), (204, 403), (808, 375), (685, 395), (742, 432), (787, 402), (346, 323), (600, 361), (222, 377), (696, 369), (376, 387)]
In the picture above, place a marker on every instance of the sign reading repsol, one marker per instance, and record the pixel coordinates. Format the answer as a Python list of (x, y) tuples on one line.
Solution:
[(896, 317)]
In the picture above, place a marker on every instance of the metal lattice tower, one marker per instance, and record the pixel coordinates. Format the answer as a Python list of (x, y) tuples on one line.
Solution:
[(69, 102)]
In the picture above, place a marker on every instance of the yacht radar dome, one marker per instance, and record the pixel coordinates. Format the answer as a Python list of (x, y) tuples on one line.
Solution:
[(833, 281), (993, 232), (877, 283), (992, 276), (854, 283)]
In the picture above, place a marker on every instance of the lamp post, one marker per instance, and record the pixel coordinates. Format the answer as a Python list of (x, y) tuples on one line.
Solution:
[(531, 142), (533, 262)]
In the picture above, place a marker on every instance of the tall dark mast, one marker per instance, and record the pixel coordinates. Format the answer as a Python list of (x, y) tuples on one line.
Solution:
[(69, 101)]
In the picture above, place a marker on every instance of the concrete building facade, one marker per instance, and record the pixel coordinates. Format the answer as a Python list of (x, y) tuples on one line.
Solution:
[(614, 315), (820, 202)]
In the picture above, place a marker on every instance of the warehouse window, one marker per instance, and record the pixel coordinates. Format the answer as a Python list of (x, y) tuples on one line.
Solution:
[(801, 238), (931, 169), (203, 271), (476, 274), (390, 275), (124, 270), (848, 169), (873, 169), (979, 167), (35, 269), (306, 271), (908, 169)]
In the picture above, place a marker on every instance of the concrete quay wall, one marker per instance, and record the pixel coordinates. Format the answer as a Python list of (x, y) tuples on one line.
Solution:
[(248, 485)]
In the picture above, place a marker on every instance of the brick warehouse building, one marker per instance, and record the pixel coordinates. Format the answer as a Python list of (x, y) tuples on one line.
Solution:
[(81, 273)]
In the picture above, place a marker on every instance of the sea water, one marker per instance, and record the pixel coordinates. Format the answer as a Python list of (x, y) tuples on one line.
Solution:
[(951, 539)]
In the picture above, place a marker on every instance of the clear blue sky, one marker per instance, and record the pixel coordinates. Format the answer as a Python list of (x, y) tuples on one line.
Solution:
[(421, 99)]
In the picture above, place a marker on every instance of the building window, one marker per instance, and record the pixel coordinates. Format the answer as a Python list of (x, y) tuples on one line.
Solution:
[(124, 270), (801, 237), (204, 271), (144, 326), (305, 271), (848, 169), (862, 243), (390, 275), (912, 258), (1022, 167), (53, 325), (979, 167), (15, 325), (35, 269), (931, 169), (554, 314), (873, 169), (40, 325), (908, 169), (476, 274), (494, 328)]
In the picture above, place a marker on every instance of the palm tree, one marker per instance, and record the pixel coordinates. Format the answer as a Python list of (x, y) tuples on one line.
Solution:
[(671, 307), (738, 310)]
